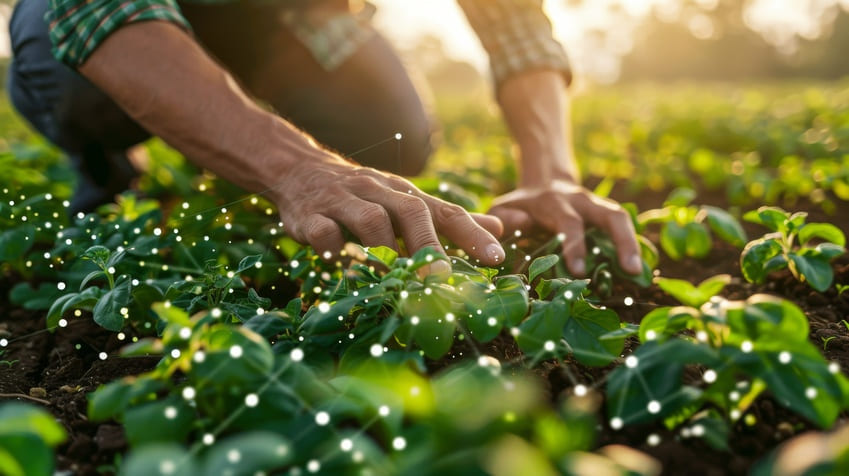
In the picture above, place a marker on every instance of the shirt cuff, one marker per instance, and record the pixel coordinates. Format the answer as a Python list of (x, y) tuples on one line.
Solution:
[(77, 28), (518, 37)]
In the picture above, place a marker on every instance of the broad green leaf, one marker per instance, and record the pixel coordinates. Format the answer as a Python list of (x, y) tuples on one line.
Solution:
[(508, 301), (24, 454), (16, 417), (755, 256), (429, 322), (159, 421), (248, 262), (583, 332), (725, 226), (112, 399), (541, 265), (697, 242), (383, 254), (826, 250), (270, 324), (680, 197), (16, 242), (664, 322), (568, 288), (765, 317), (254, 362), (683, 291), (773, 218), (159, 459), (712, 286), (64, 303), (673, 240), (815, 270), (544, 324), (823, 231), (107, 311), (97, 253), (259, 451), (91, 276)]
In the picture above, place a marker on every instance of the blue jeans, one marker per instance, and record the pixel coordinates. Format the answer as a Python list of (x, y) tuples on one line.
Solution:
[(364, 101)]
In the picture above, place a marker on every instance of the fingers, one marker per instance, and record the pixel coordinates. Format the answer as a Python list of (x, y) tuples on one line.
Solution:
[(617, 222), (368, 221), (323, 234), (513, 219), (458, 226), (490, 223)]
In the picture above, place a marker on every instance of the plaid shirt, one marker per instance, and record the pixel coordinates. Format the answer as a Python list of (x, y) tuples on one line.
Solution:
[(515, 33)]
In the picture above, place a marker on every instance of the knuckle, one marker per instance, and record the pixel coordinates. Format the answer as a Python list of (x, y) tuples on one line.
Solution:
[(373, 214), (362, 182), (451, 212), (411, 207), (316, 230)]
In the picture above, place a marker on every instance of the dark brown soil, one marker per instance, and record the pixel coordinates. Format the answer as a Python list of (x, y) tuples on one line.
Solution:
[(57, 370)]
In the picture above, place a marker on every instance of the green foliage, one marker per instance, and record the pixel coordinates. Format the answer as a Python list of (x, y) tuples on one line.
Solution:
[(27, 437), (685, 229), (789, 245)]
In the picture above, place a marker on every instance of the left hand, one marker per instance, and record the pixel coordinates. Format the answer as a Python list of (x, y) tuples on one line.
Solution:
[(564, 207)]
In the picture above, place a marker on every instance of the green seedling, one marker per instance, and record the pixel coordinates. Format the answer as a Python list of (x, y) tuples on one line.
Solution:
[(686, 229), (789, 245)]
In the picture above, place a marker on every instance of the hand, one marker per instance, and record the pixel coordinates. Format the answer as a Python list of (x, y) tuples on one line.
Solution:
[(320, 195), (564, 207)]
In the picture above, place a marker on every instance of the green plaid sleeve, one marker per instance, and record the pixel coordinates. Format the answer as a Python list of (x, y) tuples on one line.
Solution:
[(78, 27), (517, 35)]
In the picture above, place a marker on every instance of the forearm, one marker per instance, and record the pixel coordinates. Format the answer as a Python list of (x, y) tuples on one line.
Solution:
[(166, 82), (535, 105)]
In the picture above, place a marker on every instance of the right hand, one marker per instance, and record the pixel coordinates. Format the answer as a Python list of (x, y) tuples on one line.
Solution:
[(321, 195)]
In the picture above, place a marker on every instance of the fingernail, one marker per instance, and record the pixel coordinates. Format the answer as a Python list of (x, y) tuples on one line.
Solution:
[(578, 266), (635, 264), (495, 252), (440, 267)]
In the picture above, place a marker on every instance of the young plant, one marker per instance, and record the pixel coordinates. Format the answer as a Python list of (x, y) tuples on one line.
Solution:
[(27, 438), (745, 347), (686, 229), (789, 245)]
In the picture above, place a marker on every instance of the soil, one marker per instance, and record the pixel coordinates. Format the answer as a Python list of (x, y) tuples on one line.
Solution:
[(57, 370)]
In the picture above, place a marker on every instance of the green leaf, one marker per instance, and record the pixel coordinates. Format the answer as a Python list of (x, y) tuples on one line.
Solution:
[(112, 399), (665, 322), (508, 301), (383, 254), (159, 421), (24, 454), (828, 251), (16, 242), (823, 231), (690, 295), (91, 276), (673, 240), (712, 286), (583, 332), (773, 218), (815, 270), (725, 226), (270, 324), (16, 417), (248, 262), (697, 242), (97, 253), (541, 265), (107, 311), (545, 323), (259, 451), (160, 458), (755, 256), (64, 303), (431, 329), (680, 197)]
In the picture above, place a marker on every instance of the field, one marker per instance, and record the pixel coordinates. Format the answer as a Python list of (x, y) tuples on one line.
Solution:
[(179, 331)]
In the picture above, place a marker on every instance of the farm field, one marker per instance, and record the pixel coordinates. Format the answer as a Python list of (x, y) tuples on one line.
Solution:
[(179, 331)]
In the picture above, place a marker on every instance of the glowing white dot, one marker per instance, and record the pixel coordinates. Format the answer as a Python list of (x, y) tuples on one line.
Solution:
[(208, 439), (157, 231), (216, 312), (415, 320), (811, 393), (653, 407), (376, 350), (111, 270), (491, 321), (629, 301), (383, 410), (616, 423), (322, 418), (653, 439), (734, 414), (170, 412), (175, 353), (346, 445), (63, 323), (236, 351), (399, 443), (734, 395), (167, 467), (61, 286), (709, 376), (228, 226), (189, 393), (784, 357), (323, 307), (258, 265), (313, 466), (651, 334), (102, 355), (185, 333), (580, 390), (631, 361), (296, 355), (234, 456), (702, 336), (698, 431), (4, 342), (548, 346), (449, 317), (124, 311), (251, 400), (398, 136), (414, 391), (834, 367), (121, 336), (515, 331), (568, 295), (746, 346)]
